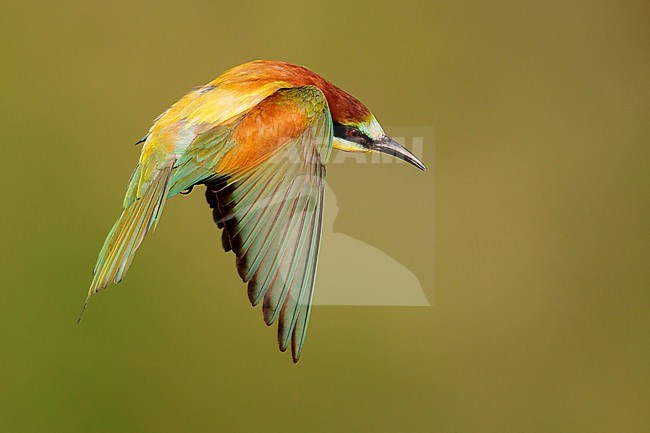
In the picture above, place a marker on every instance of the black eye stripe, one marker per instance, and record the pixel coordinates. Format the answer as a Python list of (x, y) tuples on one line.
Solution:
[(343, 131)]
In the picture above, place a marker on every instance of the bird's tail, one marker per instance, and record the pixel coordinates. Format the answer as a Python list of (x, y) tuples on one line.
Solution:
[(140, 215)]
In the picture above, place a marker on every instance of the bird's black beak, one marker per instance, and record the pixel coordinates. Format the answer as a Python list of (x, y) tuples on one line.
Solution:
[(391, 147)]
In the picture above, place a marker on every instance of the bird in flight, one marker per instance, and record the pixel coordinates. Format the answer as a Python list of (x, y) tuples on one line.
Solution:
[(258, 138)]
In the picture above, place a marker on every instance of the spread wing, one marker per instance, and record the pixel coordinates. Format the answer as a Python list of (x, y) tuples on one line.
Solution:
[(268, 198)]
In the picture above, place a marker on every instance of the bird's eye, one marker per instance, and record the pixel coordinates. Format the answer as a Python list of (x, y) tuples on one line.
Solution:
[(354, 133)]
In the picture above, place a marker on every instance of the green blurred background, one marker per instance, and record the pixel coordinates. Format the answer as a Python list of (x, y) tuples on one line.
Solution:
[(538, 223)]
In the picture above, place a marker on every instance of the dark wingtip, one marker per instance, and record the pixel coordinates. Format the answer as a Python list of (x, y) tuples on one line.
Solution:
[(295, 357), (83, 309)]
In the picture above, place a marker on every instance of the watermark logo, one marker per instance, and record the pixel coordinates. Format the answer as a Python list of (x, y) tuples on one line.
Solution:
[(350, 271)]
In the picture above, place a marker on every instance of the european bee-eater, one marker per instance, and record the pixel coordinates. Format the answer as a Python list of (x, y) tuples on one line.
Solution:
[(258, 137)]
